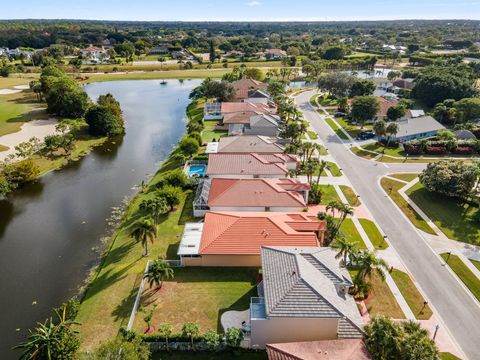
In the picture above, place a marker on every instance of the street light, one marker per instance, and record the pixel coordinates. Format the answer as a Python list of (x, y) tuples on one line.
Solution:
[(436, 330), (448, 257)]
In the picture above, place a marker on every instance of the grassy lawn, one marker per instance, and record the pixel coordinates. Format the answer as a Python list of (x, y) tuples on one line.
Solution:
[(15, 109), (312, 134), (374, 234), (3, 148), (327, 100), (376, 147), (391, 187), (352, 130), (334, 169), (448, 356), (190, 355), (476, 263), (381, 300), (329, 194), (200, 295), (352, 198), (464, 273), (405, 177), (336, 129), (411, 294), (313, 100), (209, 133), (165, 74), (455, 219), (351, 234), (363, 153)]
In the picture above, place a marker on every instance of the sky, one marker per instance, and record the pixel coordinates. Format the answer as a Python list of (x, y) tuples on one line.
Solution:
[(240, 10)]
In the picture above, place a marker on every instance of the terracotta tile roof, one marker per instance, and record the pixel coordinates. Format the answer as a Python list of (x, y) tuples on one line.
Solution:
[(231, 107), (257, 192), (385, 105), (278, 52), (249, 164), (251, 143), (347, 349), (243, 86), (238, 233)]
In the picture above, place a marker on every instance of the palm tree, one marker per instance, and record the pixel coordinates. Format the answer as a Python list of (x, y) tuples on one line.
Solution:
[(155, 207), (157, 271), (345, 248), (379, 128), (391, 130), (310, 167), (368, 264), (144, 231), (323, 164)]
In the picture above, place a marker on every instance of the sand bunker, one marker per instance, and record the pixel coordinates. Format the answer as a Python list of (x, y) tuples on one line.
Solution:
[(22, 87), (8, 91)]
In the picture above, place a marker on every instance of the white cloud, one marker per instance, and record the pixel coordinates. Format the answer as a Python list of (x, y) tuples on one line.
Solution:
[(254, 3)]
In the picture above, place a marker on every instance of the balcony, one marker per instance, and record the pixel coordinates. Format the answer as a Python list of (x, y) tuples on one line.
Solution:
[(257, 308)]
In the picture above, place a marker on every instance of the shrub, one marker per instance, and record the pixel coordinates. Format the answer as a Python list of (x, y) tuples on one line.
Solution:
[(102, 121), (196, 135), (189, 146), (463, 150), (22, 172), (175, 178), (413, 149), (315, 194), (171, 194), (436, 150)]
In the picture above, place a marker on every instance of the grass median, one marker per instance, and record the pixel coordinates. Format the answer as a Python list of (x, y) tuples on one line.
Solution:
[(336, 129), (464, 273), (374, 234), (352, 198)]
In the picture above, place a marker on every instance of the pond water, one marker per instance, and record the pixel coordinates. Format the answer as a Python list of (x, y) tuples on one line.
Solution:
[(48, 230)]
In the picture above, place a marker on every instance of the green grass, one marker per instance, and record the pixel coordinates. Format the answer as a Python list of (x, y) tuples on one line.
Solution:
[(3, 148), (323, 151), (476, 263), (209, 133), (405, 177), (391, 187), (448, 356), (351, 233), (313, 100), (411, 294), (455, 219), (352, 130), (312, 134), (199, 294), (352, 198), (363, 153), (329, 194), (464, 273), (326, 100), (381, 300), (190, 355), (374, 234), (336, 129), (376, 147), (334, 169)]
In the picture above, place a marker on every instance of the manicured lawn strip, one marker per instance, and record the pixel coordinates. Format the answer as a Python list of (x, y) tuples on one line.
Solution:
[(351, 233), (405, 177), (464, 273), (335, 128), (411, 294), (199, 294), (353, 130), (448, 356), (313, 100), (334, 169), (329, 194), (352, 198), (381, 300), (374, 234), (376, 147), (391, 187), (3, 148), (209, 133), (455, 219), (363, 153), (326, 100), (190, 355), (312, 134), (476, 263)]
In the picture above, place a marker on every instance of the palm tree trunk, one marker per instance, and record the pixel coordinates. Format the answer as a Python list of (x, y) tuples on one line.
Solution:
[(146, 248)]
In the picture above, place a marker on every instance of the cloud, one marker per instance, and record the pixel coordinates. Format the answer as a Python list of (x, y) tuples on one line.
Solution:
[(254, 3)]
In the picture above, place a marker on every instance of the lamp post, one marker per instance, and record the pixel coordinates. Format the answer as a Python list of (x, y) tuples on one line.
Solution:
[(436, 330)]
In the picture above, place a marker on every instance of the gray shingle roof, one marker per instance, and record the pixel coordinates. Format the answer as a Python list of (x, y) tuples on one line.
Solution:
[(418, 125), (307, 283)]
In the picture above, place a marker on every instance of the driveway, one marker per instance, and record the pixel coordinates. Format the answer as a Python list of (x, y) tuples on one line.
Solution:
[(458, 310)]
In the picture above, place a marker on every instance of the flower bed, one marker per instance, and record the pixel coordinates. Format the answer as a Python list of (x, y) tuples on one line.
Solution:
[(436, 150)]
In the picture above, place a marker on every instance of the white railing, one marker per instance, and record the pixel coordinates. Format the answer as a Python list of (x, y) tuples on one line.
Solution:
[(137, 298)]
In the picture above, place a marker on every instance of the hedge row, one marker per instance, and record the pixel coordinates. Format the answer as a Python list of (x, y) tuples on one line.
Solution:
[(462, 147)]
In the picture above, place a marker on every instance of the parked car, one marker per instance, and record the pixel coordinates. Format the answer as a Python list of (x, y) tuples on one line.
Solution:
[(365, 135), (339, 114)]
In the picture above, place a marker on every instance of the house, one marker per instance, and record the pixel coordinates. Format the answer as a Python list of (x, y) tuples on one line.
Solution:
[(259, 97), (94, 54), (252, 123), (386, 104), (248, 166), (345, 349), (275, 54), (245, 86), (417, 128), (394, 48), (248, 144), (305, 298), (288, 195), (406, 84), (235, 238), (217, 111)]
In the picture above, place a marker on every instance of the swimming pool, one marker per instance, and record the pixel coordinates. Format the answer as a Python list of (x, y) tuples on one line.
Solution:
[(197, 170)]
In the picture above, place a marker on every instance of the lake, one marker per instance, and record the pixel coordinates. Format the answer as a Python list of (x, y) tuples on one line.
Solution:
[(49, 230)]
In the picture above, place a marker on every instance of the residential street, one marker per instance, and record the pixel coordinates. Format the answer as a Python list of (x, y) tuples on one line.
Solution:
[(459, 311)]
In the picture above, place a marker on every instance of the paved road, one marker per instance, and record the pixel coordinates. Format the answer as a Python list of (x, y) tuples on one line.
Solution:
[(460, 313)]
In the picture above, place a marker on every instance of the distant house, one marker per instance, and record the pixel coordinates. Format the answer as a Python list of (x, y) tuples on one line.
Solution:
[(386, 104), (417, 128), (247, 166), (275, 54), (394, 48), (94, 54), (248, 144), (404, 83), (235, 238), (288, 195), (159, 50), (345, 349), (305, 298)]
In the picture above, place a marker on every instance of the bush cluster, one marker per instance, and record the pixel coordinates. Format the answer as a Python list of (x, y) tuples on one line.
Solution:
[(442, 147)]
